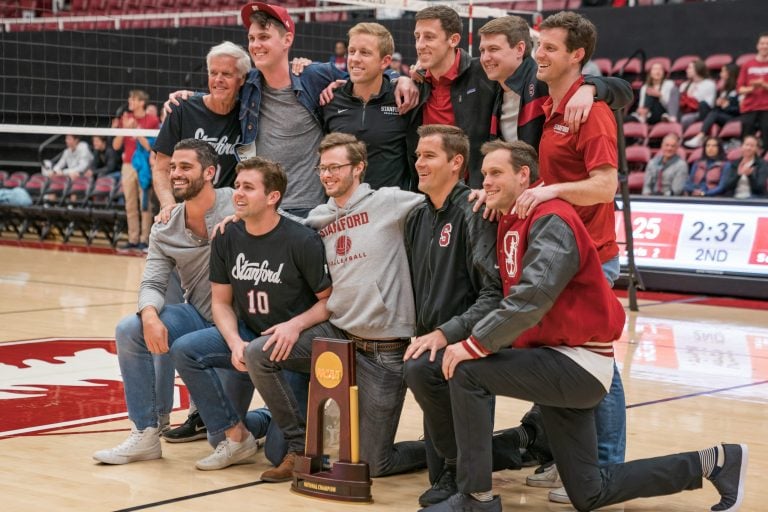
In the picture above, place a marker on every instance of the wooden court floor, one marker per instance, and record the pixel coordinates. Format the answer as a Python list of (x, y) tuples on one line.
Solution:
[(695, 374)]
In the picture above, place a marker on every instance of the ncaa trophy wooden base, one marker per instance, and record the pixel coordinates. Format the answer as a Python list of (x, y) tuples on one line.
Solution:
[(333, 377)]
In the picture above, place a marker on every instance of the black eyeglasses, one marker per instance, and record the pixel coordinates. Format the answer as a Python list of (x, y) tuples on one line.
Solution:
[(333, 170)]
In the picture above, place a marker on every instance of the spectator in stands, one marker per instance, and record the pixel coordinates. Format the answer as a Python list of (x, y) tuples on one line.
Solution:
[(339, 56), (74, 160), (746, 177), (105, 160), (397, 65), (697, 94), (753, 86), (212, 117), (706, 172), (666, 173), (136, 174), (726, 105), (365, 107), (659, 98), (152, 110)]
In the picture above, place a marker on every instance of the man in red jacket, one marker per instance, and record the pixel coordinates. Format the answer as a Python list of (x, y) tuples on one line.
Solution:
[(550, 341)]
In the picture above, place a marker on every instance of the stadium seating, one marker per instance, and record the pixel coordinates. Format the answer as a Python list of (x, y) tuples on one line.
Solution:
[(604, 65), (741, 59), (695, 128), (677, 71), (665, 62), (660, 130), (636, 133), (695, 155), (717, 61), (731, 130)]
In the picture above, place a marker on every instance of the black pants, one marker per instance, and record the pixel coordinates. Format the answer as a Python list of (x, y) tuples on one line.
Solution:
[(753, 121), (567, 395)]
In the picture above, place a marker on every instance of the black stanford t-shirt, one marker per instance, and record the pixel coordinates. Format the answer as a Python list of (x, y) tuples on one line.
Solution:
[(275, 276), (192, 120)]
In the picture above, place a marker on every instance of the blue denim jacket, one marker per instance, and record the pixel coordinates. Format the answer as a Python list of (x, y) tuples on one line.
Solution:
[(306, 86)]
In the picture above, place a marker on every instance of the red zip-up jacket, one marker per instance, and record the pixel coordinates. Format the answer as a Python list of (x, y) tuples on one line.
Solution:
[(554, 287)]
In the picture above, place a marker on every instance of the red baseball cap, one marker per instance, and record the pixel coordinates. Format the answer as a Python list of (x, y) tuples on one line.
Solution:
[(274, 11)]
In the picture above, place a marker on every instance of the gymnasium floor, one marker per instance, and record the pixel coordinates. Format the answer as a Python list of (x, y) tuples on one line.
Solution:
[(695, 373)]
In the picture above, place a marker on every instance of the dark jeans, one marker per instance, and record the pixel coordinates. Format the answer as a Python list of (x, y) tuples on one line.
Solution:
[(716, 116), (429, 387), (567, 395), (381, 396)]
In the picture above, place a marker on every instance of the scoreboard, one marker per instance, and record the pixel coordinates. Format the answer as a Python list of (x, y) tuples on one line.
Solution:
[(699, 236)]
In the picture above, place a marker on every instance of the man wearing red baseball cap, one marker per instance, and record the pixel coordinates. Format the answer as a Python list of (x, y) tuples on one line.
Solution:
[(279, 111)]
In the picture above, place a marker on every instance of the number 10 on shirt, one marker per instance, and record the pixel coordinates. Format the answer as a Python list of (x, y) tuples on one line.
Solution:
[(258, 302)]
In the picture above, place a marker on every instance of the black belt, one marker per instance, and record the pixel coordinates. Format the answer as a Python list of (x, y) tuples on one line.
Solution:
[(370, 346)]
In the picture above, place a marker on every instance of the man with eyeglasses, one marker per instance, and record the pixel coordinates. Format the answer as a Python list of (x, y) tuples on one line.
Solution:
[(362, 231), (372, 300)]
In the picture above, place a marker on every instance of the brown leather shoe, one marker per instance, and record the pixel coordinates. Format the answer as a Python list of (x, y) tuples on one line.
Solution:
[(281, 473)]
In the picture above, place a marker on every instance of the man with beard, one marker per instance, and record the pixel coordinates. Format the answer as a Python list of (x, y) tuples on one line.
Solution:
[(143, 339)]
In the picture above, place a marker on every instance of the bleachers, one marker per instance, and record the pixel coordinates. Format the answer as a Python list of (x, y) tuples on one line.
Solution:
[(91, 207)]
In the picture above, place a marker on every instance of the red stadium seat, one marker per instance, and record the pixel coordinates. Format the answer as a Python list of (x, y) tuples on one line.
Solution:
[(734, 154), (660, 130), (695, 128), (628, 66), (636, 133), (604, 65), (79, 190), (637, 157), (677, 71), (36, 186), (695, 155), (744, 58), (731, 130), (665, 62), (717, 61), (635, 182), (20, 177)]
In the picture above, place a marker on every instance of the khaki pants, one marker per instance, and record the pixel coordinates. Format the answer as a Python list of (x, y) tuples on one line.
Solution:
[(139, 222)]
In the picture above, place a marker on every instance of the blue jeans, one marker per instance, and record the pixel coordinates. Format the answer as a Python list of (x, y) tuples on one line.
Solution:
[(611, 412), (148, 379), (223, 394), (199, 357), (381, 396), (259, 421), (273, 385)]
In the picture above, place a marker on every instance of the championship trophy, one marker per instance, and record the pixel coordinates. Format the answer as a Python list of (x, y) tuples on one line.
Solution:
[(333, 377)]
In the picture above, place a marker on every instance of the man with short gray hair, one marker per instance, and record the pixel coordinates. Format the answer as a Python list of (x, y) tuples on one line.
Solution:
[(211, 117)]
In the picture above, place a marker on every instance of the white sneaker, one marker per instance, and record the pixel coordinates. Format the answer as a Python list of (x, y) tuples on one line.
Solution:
[(549, 478), (695, 142), (140, 445), (559, 496), (229, 452)]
